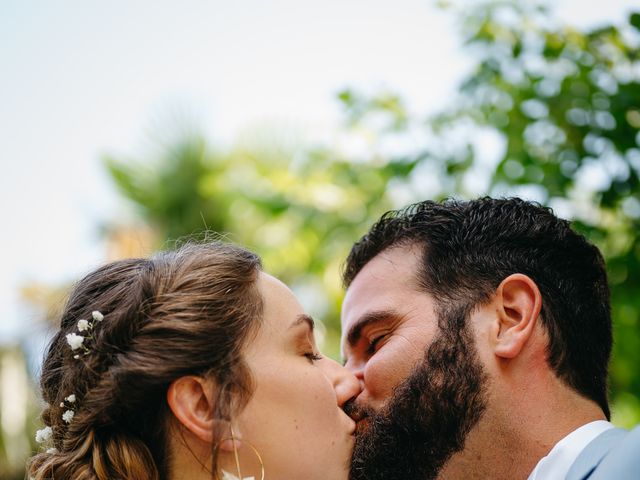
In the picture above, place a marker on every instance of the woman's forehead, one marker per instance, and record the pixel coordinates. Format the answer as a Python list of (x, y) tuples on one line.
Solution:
[(281, 307)]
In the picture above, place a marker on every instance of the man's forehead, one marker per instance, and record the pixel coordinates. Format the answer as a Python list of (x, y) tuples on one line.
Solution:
[(397, 265), (388, 279)]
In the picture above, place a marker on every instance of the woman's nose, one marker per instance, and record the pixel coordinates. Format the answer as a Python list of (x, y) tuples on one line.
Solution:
[(345, 383)]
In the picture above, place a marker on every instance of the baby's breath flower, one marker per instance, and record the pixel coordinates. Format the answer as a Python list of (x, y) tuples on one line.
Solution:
[(75, 341), (83, 325), (44, 434), (62, 404), (52, 450), (97, 316), (68, 416), (71, 398), (76, 357)]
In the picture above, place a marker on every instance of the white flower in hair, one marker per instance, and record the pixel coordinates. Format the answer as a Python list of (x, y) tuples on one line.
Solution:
[(68, 416), (75, 341), (52, 450), (71, 398), (97, 316), (44, 434), (83, 325), (230, 476)]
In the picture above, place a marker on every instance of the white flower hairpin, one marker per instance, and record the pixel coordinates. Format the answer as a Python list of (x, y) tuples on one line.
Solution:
[(77, 342), (69, 403), (68, 415), (44, 435)]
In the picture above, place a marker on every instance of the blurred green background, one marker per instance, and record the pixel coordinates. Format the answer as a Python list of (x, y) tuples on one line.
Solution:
[(545, 111)]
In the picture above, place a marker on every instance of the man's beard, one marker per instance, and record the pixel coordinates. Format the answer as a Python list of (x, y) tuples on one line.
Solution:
[(429, 415)]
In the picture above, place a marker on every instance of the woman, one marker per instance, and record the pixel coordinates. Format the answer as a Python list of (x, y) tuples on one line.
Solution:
[(193, 364)]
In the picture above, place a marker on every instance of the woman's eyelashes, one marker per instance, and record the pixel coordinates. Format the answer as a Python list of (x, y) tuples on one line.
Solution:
[(313, 356)]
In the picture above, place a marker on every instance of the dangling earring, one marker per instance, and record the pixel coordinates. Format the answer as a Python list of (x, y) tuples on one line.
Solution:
[(227, 475)]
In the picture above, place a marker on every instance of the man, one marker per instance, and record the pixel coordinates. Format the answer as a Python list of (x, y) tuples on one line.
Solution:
[(481, 332)]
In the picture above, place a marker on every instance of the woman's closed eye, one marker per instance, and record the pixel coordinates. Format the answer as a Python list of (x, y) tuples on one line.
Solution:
[(313, 356)]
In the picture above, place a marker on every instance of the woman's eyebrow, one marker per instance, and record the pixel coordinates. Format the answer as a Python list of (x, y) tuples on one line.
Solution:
[(301, 319)]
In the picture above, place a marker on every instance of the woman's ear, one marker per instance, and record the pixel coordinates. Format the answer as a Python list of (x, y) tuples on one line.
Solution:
[(519, 302), (191, 399)]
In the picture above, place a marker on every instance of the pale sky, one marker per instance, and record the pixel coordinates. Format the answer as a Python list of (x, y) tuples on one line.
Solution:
[(82, 78)]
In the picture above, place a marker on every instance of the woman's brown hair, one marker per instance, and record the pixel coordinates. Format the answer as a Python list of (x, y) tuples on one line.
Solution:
[(183, 312)]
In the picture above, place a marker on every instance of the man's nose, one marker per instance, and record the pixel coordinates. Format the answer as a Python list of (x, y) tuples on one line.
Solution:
[(345, 383)]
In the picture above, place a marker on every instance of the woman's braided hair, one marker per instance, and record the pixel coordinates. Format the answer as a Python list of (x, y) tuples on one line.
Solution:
[(184, 312)]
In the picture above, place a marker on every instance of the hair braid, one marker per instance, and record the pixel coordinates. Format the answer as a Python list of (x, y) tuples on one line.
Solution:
[(163, 318)]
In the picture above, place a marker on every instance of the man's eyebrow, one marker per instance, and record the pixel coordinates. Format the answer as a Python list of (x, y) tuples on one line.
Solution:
[(304, 318), (366, 320)]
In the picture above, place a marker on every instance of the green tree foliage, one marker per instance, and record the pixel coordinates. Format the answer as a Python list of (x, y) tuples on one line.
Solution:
[(560, 106), (567, 104), (299, 208)]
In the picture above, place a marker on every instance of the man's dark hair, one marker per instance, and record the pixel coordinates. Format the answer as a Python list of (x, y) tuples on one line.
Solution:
[(469, 247)]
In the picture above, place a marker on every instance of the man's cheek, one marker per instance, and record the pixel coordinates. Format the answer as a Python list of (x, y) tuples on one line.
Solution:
[(382, 376)]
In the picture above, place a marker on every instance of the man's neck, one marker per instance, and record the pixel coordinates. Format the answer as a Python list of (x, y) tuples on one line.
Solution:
[(509, 445)]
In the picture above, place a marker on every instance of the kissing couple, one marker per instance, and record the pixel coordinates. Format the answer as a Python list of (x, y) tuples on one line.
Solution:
[(476, 338)]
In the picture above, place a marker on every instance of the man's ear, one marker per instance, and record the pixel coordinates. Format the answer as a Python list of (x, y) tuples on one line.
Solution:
[(519, 302), (191, 399)]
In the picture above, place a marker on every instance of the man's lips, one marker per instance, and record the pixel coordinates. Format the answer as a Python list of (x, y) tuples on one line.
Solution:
[(356, 412), (361, 415)]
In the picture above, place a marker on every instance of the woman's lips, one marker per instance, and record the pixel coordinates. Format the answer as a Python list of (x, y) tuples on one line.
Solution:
[(353, 426), (358, 415)]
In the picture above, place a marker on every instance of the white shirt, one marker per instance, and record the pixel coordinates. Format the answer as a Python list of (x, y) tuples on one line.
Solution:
[(557, 463)]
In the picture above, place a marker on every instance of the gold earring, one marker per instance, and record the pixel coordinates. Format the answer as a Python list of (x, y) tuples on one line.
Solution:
[(235, 455)]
